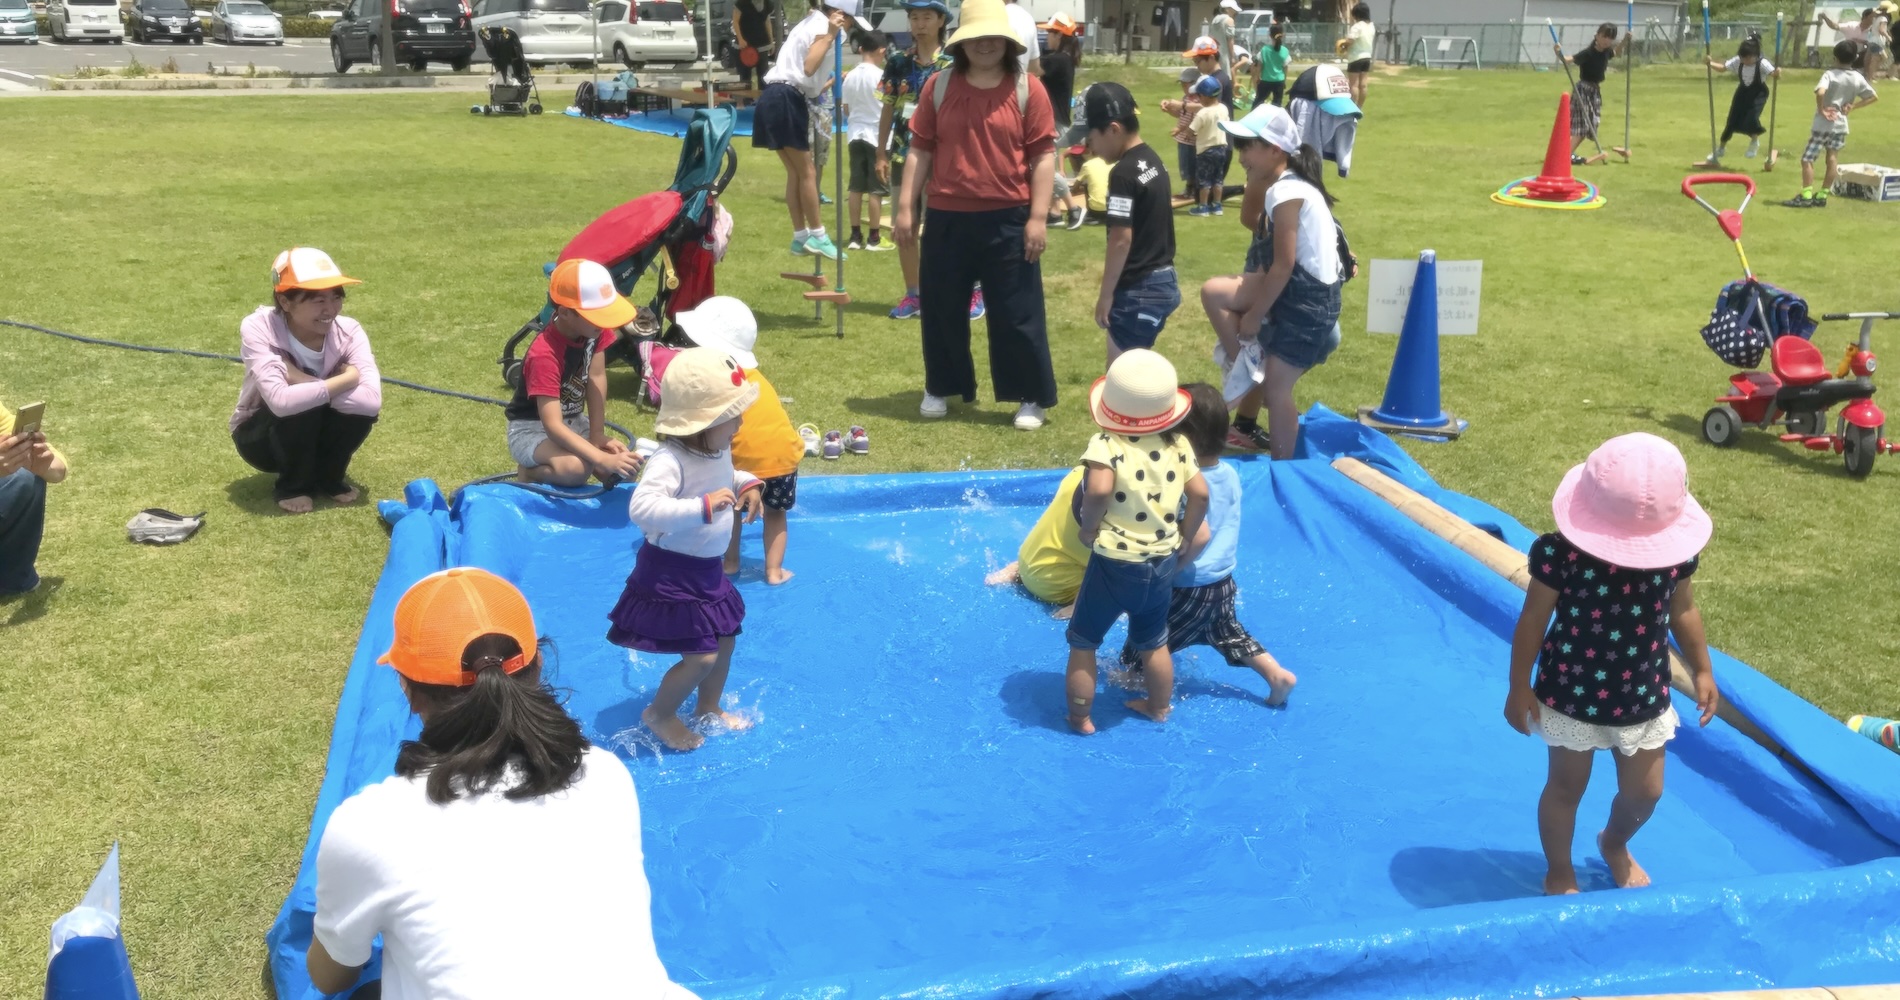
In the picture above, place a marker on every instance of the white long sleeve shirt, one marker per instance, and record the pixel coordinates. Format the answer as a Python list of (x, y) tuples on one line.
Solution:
[(670, 504)]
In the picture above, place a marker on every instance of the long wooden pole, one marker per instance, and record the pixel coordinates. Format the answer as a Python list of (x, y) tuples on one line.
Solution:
[(1509, 563)]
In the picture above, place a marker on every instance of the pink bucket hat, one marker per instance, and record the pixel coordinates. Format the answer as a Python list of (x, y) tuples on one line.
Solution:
[(1629, 505)]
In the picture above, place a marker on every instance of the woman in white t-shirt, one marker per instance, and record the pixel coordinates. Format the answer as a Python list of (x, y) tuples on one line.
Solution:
[(503, 858), (1290, 291)]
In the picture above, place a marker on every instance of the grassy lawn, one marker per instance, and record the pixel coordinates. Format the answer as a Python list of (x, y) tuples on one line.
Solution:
[(179, 700)]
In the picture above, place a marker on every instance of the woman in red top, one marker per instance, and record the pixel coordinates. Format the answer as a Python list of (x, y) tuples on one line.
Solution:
[(989, 190)]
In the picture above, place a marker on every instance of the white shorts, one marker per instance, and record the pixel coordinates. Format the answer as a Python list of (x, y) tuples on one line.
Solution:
[(1565, 733), (524, 436)]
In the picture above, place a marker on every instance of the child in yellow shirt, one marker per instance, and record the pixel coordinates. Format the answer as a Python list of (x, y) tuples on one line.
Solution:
[(766, 444)]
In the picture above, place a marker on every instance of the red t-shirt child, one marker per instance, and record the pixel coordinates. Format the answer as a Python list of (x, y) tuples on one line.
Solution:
[(985, 167), (556, 367)]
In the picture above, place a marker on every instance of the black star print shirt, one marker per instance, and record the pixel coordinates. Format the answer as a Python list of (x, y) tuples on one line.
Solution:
[(1605, 660)]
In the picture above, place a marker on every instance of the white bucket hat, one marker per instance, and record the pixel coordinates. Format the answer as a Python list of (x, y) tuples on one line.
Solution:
[(723, 323), (702, 387), (1140, 395)]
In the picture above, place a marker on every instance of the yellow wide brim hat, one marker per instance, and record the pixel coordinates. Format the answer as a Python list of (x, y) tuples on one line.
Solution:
[(984, 19)]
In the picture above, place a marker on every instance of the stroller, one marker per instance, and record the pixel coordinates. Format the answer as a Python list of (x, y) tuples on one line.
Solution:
[(670, 233), (511, 89)]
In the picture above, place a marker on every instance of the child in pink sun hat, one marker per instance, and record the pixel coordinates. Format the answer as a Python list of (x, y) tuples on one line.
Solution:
[(1590, 657)]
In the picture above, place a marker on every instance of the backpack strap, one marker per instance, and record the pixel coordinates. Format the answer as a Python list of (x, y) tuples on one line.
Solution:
[(940, 86)]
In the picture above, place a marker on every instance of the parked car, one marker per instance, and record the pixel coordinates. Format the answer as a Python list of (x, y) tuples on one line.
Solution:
[(425, 31), (551, 31), (164, 21), (234, 21), (647, 31), (725, 48), (95, 20), (16, 22)]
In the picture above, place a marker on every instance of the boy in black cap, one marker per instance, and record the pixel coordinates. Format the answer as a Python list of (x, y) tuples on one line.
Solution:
[(1139, 291)]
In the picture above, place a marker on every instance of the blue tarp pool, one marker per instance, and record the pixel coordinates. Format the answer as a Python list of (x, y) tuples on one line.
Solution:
[(911, 817)]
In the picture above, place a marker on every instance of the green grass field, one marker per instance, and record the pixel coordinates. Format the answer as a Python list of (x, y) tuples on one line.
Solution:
[(179, 700)]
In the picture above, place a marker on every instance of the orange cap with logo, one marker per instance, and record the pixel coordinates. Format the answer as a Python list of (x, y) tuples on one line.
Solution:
[(307, 268), (443, 612), (587, 288)]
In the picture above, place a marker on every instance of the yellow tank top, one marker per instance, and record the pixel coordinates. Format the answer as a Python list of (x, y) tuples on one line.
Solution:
[(1053, 557)]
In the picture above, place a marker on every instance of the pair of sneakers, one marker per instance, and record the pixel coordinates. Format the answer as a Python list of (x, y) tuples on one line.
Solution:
[(876, 244), (910, 307), (1809, 198), (1029, 416), (832, 444), (816, 245), (1213, 209)]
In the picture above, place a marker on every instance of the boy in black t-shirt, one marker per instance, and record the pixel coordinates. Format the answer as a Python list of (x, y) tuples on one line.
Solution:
[(1139, 291), (1586, 101)]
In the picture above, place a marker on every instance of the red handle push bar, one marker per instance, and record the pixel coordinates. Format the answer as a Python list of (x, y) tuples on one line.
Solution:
[(1730, 219)]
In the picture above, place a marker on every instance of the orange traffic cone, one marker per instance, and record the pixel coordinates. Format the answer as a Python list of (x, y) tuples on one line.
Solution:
[(1556, 182)]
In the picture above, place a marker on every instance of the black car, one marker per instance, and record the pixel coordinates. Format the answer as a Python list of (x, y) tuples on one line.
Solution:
[(164, 21), (425, 31)]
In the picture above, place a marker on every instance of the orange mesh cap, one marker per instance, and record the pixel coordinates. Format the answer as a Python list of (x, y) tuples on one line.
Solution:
[(444, 612)]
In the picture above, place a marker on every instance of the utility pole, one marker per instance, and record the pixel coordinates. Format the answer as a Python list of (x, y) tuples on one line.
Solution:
[(386, 44)]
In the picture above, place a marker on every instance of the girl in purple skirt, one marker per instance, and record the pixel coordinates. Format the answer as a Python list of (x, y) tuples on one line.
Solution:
[(678, 599)]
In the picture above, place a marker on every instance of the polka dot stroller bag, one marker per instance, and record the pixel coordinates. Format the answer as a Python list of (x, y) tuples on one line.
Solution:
[(1748, 316)]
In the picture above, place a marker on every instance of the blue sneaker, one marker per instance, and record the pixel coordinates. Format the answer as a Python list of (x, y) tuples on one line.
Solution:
[(799, 249), (1198, 210), (823, 247), (907, 308), (1217, 210), (976, 304)]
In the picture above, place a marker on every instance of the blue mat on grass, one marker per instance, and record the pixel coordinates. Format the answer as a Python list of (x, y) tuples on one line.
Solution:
[(911, 816), (671, 123)]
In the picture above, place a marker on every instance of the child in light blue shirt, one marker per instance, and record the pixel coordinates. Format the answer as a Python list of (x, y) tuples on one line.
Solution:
[(1201, 611)]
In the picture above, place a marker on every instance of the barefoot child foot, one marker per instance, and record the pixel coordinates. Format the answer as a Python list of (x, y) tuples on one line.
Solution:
[(348, 495), (1280, 683), (720, 717), (1082, 724), (777, 576), (1008, 574), (671, 731), (1624, 870), (296, 505), (1141, 705), (1561, 883)]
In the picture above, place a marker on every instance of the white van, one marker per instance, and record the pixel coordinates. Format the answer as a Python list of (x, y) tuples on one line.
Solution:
[(85, 20)]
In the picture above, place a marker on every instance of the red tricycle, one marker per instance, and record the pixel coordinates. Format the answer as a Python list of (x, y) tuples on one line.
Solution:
[(1752, 318)]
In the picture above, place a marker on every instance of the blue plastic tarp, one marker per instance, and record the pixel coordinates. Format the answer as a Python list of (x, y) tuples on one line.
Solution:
[(672, 123), (910, 814)]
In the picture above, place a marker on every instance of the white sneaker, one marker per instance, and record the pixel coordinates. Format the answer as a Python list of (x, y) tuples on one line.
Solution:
[(1029, 417), (934, 406), (1754, 146)]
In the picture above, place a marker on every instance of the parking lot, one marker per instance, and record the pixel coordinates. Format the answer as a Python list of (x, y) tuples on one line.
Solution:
[(21, 65)]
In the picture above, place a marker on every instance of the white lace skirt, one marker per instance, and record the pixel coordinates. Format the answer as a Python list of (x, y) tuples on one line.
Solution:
[(1565, 733)]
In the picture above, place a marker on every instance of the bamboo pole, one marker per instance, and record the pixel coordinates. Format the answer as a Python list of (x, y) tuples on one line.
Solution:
[(1507, 562), (1811, 993)]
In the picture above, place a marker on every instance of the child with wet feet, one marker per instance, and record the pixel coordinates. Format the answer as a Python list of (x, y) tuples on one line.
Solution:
[(678, 599), (1590, 665), (1143, 495)]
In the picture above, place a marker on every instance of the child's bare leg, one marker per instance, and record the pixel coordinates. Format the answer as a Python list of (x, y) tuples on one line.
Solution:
[(1280, 680), (1807, 174), (856, 204), (555, 466), (1157, 668), (1833, 171), (1283, 415), (877, 212), (732, 549), (1081, 689), (712, 688), (1217, 298), (662, 714), (1639, 785), (1008, 574), (775, 571), (1557, 816)]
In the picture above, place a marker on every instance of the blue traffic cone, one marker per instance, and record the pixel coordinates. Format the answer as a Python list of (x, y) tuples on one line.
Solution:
[(1411, 403), (88, 955)]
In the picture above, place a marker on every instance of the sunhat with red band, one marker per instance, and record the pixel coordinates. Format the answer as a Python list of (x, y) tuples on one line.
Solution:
[(587, 288), (443, 612), (1139, 395)]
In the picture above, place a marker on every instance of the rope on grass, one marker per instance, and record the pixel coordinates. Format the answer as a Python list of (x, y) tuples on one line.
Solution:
[(507, 477)]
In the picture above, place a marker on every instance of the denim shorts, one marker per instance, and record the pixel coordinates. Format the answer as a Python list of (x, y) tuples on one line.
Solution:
[(1139, 312), (1112, 588), (1302, 328), (1210, 167)]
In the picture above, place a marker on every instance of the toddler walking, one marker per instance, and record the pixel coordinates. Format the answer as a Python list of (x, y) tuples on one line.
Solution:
[(1590, 657), (678, 599), (1142, 495)]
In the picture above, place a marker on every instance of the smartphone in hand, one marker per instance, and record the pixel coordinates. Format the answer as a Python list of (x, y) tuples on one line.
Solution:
[(28, 420)]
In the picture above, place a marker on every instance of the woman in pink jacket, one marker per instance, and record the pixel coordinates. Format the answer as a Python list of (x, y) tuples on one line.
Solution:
[(311, 390)]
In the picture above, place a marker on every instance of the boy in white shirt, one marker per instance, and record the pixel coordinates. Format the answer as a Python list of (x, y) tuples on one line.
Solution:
[(1210, 147), (1841, 90), (781, 120), (863, 108)]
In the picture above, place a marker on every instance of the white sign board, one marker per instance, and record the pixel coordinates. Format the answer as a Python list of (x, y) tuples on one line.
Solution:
[(1390, 289)]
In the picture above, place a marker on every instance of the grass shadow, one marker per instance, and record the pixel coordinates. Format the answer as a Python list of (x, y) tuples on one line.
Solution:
[(902, 407), (252, 494), (31, 605), (1753, 441), (1431, 877)]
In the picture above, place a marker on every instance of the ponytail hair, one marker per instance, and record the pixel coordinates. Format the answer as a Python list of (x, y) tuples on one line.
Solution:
[(501, 726), (1307, 165)]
